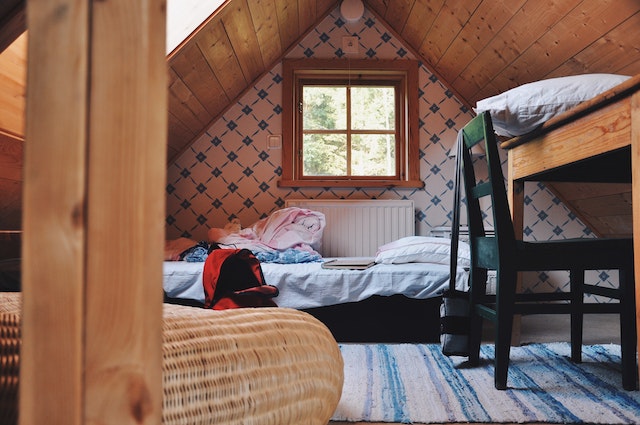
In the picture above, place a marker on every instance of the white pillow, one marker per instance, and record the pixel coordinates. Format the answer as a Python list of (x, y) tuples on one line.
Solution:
[(524, 108), (422, 249)]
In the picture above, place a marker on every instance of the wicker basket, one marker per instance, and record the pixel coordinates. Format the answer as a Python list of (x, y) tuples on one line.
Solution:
[(243, 366)]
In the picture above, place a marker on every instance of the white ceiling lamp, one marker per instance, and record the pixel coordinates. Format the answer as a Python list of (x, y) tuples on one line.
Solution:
[(352, 10)]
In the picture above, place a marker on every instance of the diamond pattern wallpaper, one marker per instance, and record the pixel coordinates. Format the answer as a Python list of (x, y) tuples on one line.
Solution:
[(230, 171)]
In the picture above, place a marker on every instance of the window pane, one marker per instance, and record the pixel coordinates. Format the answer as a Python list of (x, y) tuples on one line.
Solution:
[(324, 155), (324, 108), (373, 155), (373, 108)]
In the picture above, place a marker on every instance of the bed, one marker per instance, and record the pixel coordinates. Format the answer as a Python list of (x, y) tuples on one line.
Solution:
[(383, 303), (395, 300)]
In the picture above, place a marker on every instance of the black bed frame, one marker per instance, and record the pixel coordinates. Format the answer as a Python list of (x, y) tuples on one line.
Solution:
[(378, 319)]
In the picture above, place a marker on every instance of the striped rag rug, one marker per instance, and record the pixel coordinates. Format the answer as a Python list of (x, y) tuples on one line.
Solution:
[(416, 383)]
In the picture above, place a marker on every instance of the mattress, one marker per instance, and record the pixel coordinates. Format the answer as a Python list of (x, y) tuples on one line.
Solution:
[(308, 285)]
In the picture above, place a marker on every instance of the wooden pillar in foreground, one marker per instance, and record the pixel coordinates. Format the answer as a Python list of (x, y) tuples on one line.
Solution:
[(94, 177)]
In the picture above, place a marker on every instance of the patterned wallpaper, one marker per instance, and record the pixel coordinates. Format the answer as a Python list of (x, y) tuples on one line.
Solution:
[(230, 172)]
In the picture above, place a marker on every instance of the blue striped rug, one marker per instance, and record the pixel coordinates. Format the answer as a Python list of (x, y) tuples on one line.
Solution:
[(415, 383)]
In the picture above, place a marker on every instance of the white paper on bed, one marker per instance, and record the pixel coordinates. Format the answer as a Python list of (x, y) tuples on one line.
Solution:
[(307, 285)]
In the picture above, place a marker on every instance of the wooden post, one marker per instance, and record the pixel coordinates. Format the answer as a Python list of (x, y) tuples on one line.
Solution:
[(516, 202), (94, 177), (635, 199)]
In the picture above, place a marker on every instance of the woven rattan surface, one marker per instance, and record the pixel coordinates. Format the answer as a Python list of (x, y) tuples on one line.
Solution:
[(9, 356), (242, 366), (248, 366)]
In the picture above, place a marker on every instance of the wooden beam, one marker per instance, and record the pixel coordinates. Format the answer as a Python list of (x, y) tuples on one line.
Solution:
[(13, 24), (93, 213)]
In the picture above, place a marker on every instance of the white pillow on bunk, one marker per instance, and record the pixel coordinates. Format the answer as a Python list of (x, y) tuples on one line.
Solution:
[(526, 107), (422, 249)]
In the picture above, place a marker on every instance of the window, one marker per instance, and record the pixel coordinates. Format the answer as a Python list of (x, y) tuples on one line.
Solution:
[(350, 123)]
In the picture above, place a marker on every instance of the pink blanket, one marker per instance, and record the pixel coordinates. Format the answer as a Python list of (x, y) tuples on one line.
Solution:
[(291, 227)]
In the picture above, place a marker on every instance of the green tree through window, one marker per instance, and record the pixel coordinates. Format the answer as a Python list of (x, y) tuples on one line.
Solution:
[(348, 131)]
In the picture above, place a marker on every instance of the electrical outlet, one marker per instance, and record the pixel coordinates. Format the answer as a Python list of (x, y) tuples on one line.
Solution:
[(274, 141)]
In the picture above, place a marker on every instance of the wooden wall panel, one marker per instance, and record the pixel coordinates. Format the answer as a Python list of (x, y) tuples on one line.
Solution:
[(13, 68), (176, 131), (613, 52), (632, 69), (54, 222), (266, 27), (10, 202), (184, 104), (379, 6), (244, 41), (306, 15), (216, 48), (605, 207), (93, 213), (487, 19), (478, 48), (526, 25), (397, 15), (635, 199), (565, 39), (11, 160), (287, 14), (323, 7), (13, 21), (194, 71), (422, 16), (450, 20), (125, 213), (11, 155)]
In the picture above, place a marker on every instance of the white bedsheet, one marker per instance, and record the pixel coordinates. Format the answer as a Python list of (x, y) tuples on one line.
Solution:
[(307, 285)]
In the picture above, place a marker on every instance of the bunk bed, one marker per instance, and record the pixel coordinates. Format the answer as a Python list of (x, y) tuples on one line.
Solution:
[(589, 142), (571, 131)]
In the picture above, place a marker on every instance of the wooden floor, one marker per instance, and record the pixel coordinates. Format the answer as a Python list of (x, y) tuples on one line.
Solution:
[(600, 329)]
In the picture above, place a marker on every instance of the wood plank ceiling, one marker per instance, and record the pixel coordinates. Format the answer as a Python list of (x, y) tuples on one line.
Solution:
[(478, 47)]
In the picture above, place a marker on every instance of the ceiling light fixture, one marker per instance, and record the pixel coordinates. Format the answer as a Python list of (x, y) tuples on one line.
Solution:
[(352, 10)]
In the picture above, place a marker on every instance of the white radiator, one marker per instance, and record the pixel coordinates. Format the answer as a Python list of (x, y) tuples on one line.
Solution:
[(356, 228)]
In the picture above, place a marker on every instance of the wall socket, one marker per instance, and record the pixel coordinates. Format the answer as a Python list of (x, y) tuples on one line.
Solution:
[(350, 44), (274, 141)]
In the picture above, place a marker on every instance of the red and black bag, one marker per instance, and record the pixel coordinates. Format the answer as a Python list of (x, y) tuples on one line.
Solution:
[(233, 278)]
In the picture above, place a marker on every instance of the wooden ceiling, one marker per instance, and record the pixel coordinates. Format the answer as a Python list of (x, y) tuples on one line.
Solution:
[(12, 21), (477, 47), (238, 44)]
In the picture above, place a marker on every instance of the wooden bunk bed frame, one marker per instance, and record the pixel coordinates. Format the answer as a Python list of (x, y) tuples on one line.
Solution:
[(576, 145), (596, 141)]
